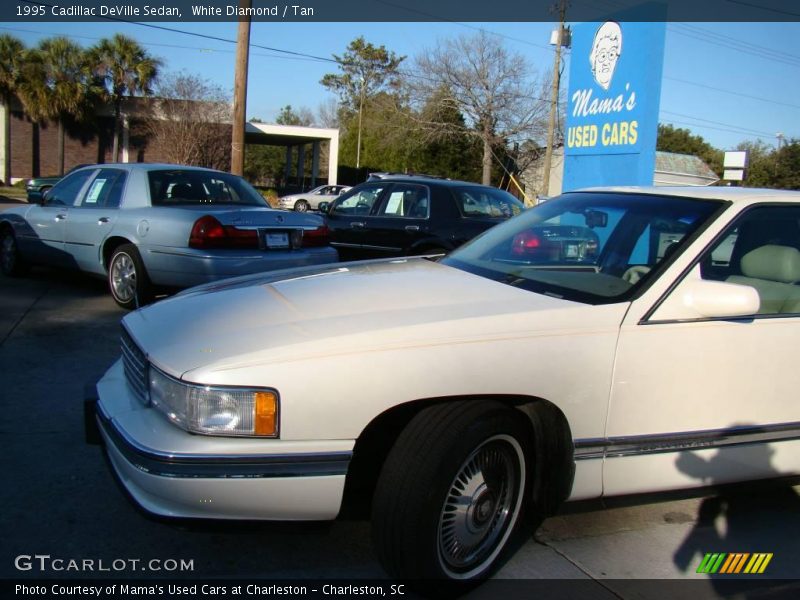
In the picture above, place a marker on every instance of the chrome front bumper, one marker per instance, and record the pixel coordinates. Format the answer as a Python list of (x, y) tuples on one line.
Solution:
[(299, 483)]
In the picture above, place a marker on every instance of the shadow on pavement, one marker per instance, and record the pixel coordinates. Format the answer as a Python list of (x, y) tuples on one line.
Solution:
[(736, 532)]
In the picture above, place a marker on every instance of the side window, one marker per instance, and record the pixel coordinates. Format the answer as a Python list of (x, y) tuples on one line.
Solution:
[(406, 201), (105, 191), (483, 202), (66, 191), (358, 202), (762, 250)]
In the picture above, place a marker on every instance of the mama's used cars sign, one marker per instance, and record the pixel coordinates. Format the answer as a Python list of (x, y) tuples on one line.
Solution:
[(612, 104)]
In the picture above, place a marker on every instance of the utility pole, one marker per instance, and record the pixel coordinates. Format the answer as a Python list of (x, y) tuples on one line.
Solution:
[(780, 136), (551, 125), (360, 112), (240, 89)]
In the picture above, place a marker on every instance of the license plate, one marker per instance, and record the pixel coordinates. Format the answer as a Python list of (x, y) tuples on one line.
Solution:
[(571, 251), (276, 240)]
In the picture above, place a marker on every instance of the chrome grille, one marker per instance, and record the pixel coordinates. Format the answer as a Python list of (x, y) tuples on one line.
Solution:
[(134, 362)]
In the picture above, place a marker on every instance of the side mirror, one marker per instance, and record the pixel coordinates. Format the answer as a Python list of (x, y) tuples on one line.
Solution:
[(323, 207), (704, 299), (44, 196)]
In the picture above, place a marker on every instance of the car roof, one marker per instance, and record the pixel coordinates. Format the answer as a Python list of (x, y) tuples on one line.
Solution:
[(151, 167), (429, 179), (724, 193)]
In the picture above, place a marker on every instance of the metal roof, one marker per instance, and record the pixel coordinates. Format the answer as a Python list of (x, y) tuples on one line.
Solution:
[(682, 169)]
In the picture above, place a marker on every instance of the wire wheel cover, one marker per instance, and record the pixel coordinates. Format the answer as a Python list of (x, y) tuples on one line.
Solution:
[(123, 277), (481, 503)]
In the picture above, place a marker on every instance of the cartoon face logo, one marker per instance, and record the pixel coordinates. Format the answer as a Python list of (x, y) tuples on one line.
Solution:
[(606, 49)]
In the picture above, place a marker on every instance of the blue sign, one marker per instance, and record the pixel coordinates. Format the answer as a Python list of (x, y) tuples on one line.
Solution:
[(612, 103)]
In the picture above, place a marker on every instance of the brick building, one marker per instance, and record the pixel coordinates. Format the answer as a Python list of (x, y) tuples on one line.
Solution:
[(33, 147)]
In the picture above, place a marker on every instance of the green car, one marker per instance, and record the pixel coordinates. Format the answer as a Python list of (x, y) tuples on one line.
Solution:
[(37, 186)]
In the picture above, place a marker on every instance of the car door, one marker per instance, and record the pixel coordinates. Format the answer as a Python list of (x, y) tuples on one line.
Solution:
[(93, 217), (402, 221), (48, 221), (699, 400), (351, 217)]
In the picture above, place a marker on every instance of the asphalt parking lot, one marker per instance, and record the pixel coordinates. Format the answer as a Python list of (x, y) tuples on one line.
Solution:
[(59, 330)]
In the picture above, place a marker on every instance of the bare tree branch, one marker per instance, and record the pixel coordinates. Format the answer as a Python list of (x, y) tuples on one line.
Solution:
[(190, 122), (496, 90)]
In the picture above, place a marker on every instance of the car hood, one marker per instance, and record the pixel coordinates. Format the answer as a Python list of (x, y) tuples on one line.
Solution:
[(350, 308)]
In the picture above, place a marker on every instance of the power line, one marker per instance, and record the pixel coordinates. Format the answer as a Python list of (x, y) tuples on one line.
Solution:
[(725, 129), (157, 44), (460, 24), (738, 41), (219, 39), (717, 89), (738, 47), (765, 8), (202, 35), (743, 129)]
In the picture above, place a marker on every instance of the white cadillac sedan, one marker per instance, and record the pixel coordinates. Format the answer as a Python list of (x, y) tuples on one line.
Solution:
[(310, 200), (462, 400)]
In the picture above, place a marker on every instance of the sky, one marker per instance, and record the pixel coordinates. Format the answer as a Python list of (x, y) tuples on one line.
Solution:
[(728, 82)]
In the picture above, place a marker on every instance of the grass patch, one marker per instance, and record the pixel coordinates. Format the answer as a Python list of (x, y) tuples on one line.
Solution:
[(14, 192)]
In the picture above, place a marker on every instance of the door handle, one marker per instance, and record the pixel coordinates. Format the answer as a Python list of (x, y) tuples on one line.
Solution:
[(102, 220), (358, 225), (60, 217), (412, 227)]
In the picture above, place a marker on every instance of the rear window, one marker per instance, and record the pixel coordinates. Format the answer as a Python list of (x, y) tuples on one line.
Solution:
[(475, 201), (177, 187)]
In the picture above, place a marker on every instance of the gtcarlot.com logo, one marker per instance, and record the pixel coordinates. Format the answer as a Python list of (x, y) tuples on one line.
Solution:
[(45, 563), (735, 563)]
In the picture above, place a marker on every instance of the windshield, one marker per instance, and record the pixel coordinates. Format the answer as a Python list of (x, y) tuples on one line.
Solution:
[(589, 247), (176, 187)]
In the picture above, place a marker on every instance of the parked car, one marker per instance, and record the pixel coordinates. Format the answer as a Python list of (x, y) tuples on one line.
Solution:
[(311, 199), (405, 215), (388, 175), (36, 187), (149, 225), (467, 398)]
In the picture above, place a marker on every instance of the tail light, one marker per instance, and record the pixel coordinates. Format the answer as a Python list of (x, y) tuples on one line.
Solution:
[(525, 242), (207, 232), (316, 237)]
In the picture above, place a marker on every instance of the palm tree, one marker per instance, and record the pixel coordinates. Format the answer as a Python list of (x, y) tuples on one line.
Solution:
[(59, 85), (11, 52), (127, 69)]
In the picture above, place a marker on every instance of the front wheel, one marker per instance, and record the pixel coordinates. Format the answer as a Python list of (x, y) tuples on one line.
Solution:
[(127, 278), (452, 493), (301, 206)]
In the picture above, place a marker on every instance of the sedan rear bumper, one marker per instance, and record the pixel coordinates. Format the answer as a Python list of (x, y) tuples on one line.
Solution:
[(186, 267)]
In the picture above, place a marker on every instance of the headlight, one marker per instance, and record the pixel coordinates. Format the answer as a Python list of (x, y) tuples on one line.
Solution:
[(215, 410)]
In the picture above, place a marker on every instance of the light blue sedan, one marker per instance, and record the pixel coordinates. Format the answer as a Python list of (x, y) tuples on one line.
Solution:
[(147, 226)]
